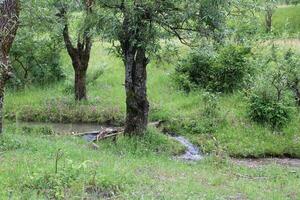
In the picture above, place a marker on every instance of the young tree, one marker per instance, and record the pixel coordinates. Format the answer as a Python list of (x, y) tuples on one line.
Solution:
[(270, 6), (79, 54), (9, 10), (138, 26)]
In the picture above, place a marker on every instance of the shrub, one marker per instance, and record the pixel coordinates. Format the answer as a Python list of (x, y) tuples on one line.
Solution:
[(270, 98), (194, 70), (266, 109), (221, 71), (230, 68)]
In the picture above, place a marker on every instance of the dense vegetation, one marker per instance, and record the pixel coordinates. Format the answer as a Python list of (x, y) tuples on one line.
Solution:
[(224, 82)]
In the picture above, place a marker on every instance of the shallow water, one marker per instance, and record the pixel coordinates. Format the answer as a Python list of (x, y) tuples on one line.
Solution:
[(64, 128), (192, 152)]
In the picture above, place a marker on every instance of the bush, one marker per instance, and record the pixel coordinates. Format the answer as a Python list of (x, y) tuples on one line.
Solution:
[(221, 71), (267, 110), (270, 98), (230, 68)]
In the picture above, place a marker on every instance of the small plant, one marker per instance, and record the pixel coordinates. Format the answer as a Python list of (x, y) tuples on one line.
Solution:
[(54, 185)]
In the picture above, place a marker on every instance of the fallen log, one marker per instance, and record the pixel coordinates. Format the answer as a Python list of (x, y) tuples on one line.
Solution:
[(108, 132)]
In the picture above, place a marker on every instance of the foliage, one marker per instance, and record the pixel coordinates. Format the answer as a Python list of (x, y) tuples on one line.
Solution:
[(270, 98), (36, 51), (266, 109), (223, 72)]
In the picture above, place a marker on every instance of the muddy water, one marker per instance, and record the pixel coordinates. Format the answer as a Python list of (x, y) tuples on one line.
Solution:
[(64, 128)]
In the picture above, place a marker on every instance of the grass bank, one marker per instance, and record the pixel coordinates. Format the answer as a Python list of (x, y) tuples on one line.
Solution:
[(286, 20), (127, 170)]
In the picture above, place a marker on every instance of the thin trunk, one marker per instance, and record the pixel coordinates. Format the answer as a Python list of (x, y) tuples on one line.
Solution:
[(137, 105), (2, 87), (269, 20), (296, 91)]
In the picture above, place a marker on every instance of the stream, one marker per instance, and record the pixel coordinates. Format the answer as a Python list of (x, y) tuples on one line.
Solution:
[(192, 152)]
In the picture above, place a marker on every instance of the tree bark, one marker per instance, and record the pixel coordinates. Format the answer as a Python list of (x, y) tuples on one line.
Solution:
[(9, 16), (137, 105), (80, 84)]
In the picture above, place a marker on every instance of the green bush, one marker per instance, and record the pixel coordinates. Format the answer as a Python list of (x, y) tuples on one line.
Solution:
[(266, 109), (271, 98), (221, 71), (231, 68)]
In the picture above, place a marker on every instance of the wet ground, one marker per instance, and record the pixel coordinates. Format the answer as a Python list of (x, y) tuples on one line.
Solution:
[(259, 162)]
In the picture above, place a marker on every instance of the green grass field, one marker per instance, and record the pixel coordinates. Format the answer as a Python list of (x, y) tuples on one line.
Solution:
[(286, 20)]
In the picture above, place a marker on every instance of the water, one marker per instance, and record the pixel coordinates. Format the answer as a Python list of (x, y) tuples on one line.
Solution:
[(65, 128), (192, 152)]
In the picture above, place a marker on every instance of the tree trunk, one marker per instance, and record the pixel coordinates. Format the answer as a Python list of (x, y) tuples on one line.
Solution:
[(9, 15), (137, 106), (296, 91), (80, 84), (2, 86), (269, 20)]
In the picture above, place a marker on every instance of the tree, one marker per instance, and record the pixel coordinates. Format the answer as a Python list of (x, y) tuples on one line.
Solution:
[(270, 6), (80, 55), (138, 26), (9, 10)]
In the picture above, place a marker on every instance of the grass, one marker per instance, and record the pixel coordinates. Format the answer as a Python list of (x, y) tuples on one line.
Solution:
[(123, 171), (286, 19)]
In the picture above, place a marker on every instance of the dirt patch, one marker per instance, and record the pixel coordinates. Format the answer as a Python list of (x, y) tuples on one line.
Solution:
[(97, 192), (289, 43), (254, 163)]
